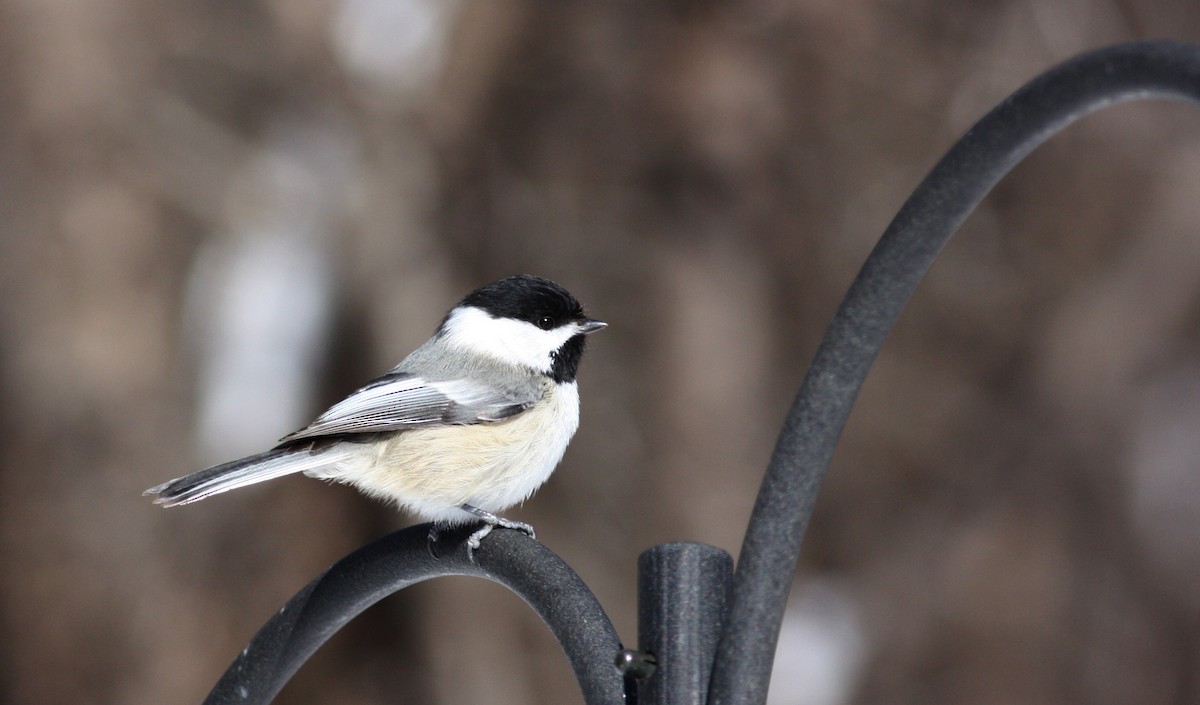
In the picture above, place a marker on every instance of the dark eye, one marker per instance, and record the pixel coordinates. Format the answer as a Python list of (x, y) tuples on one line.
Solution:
[(545, 323)]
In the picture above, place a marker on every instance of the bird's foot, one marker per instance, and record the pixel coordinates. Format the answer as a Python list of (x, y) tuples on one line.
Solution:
[(490, 522)]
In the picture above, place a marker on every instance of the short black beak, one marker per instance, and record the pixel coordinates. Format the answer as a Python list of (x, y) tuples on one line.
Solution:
[(591, 326)]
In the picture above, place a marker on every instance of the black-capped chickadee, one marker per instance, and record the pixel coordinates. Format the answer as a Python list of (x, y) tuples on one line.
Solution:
[(469, 424)]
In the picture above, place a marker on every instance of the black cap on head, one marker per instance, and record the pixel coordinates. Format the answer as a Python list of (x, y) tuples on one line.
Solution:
[(526, 298)]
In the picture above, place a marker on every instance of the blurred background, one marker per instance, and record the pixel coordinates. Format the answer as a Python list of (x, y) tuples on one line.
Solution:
[(218, 218)]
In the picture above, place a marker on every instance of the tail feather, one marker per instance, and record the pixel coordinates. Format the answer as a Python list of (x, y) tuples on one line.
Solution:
[(245, 471)]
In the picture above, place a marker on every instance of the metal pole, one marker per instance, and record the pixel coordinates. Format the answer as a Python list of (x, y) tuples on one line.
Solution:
[(683, 595)]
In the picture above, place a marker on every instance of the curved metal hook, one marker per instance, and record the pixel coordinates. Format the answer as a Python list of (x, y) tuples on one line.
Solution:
[(904, 253), (532, 571)]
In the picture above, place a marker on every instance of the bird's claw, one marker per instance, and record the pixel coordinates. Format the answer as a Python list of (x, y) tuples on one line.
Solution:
[(435, 533), (490, 522)]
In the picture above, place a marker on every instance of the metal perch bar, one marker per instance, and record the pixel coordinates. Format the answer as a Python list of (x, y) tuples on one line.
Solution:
[(511, 558)]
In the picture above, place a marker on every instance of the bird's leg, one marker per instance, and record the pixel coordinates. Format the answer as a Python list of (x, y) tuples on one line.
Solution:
[(491, 521)]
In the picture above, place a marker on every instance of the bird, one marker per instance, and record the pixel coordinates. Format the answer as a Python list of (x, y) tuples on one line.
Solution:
[(469, 424)]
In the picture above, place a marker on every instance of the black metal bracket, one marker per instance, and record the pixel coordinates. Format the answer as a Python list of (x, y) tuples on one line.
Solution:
[(694, 619)]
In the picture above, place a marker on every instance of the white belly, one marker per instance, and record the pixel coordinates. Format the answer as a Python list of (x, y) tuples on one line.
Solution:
[(431, 471)]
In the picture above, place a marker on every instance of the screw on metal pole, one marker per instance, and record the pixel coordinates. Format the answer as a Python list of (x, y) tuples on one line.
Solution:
[(636, 665), (683, 594)]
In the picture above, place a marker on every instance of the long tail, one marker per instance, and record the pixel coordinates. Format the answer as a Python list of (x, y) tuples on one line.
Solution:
[(246, 471)]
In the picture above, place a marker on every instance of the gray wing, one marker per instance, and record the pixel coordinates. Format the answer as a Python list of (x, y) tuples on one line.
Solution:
[(400, 400)]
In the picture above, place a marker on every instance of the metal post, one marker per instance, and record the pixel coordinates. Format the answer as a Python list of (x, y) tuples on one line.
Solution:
[(683, 595)]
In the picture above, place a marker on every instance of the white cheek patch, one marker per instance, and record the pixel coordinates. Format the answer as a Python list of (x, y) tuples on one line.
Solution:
[(506, 339)]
